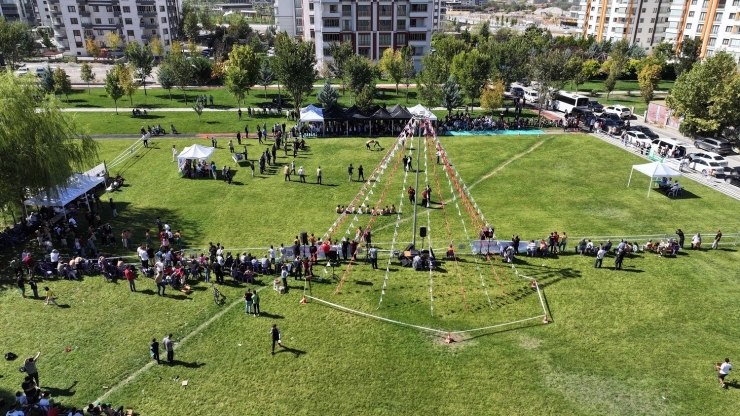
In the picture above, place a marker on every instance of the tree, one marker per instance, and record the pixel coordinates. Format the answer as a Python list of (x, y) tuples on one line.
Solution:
[(548, 68), (509, 57), (328, 96), (573, 71), (407, 64), (127, 81), (198, 107), (53, 147), (492, 97), (46, 79), (392, 64), (87, 75), (358, 72), (257, 44), (664, 52), (266, 75), (365, 98), (294, 64), (202, 69), (340, 53), (155, 45), (445, 47), (16, 41), (179, 68), (112, 40), (648, 79), (190, 25), (706, 96), (141, 60), (429, 79), (484, 29), (46, 34), (93, 48), (166, 78), (62, 84), (687, 55), (113, 87), (472, 69), (610, 82), (242, 70), (451, 97)]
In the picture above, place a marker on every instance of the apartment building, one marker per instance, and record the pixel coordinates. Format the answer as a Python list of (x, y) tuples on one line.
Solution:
[(134, 20), (643, 22), (14, 10), (715, 22), (371, 26)]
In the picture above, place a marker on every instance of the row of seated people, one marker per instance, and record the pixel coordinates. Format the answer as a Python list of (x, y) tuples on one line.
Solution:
[(663, 248), (366, 210), (33, 401)]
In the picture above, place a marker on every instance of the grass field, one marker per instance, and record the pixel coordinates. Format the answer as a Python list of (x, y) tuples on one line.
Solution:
[(637, 342), (622, 85)]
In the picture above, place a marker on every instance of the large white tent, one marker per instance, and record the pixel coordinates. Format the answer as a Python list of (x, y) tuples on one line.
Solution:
[(653, 170), (196, 151), (420, 111), (77, 186)]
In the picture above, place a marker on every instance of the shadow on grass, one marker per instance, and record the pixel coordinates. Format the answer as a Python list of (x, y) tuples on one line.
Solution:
[(294, 351), (271, 315), (186, 364), (60, 392)]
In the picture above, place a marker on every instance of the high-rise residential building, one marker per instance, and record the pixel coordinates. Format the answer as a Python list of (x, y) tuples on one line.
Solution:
[(643, 22), (715, 22), (18, 10), (371, 26), (73, 21)]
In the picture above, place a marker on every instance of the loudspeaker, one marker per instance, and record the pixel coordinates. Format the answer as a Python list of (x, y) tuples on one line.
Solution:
[(405, 262), (422, 232), (304, 238)]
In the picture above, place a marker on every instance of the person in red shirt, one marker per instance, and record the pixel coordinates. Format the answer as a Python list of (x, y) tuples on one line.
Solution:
[(412, 195), (130, 276), (28, 261)]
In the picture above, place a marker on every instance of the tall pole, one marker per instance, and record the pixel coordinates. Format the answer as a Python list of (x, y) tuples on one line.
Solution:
[(418, 149)]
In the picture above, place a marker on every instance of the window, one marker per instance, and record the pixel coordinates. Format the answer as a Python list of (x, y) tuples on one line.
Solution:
[(642, 20), (101, 32), (725, 41), (130, 32), (96, 9), (384, 39), (166, 31), (691, 14), (71, 9), (718, 16), (693, 2), (154, 32), (333, 8), (715, 29), (401, 24), (346, 10), (73, 21), (418, 8), (347, 25), (363, 25), (109, 9), (111, 21), (688, 25), (639, 30), (128, 21), (418, 51), (644, 10), (164, 20), (161, 8), (79, 45), (331, 22), (385, 25), (735, 43), (166, 42), (650, 30), (363, 11), (700, 27), (385, 11), (736, 2), (76, 32), (347, 38), (363, 40), (126, 9), (712, 41), (98, 21), (728, 29), (638, 40), (703, 16), (82, 9), (652, 20), (400, 38), (401, 10), (310, 20), (364, 52), (416, 23), (417, 37), (732, 16), (310, 6), (331, 37), (117, 9)]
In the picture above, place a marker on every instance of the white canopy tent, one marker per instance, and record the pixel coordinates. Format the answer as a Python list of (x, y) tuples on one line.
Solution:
[(313, 114), (420, 111), (77, 185), (653, 170), (194, 152)]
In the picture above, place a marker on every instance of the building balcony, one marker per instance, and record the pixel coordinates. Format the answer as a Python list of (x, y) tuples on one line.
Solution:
[(418, 28), (330, 29)]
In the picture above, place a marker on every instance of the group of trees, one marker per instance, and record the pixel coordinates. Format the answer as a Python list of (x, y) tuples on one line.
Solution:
[(16, 41)]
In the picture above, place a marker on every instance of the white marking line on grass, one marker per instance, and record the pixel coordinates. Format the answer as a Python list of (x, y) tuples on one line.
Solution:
[(150, 364), (503, 165)]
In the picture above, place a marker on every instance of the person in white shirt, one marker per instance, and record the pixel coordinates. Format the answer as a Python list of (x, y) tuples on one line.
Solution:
[(174, 153), (141, 251), (15, 411), (599, 257), (724, 370), (21, 399)]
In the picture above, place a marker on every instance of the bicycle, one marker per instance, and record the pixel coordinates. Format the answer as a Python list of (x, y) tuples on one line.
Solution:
[(217, 296)]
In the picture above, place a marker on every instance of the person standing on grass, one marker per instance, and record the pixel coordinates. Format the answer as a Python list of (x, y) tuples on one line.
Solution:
[(251, 166), (113, 209), (286, 172), (563, 243), (275, 332), (360, 173), (50, 296), (723, 369), (31, 370), (350, 171), (174, 153), (21, 282), (318, 175), (373, 254), (34, 287), (599, 257), (169, 347), (131, 277), (284, 278), (256, 303), (680, 237), (240, 114), (302, 174), (154, 350), (717, 237), (231, 146), (248, 299)]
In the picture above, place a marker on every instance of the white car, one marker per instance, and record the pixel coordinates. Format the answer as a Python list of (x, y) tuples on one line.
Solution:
[(709, 157), (706, 167), (638, 139), (622, 111), (21, 71)]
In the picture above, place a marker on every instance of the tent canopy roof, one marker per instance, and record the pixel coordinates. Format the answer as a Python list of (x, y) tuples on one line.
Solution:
[(310, 108), (309, 116), (382, 114), (656, 170), (76, 186), (421, 111), (354, 113), (196, 151), (398, 112), (334, 113)]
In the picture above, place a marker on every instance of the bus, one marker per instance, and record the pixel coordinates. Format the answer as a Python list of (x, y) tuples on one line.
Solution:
[(566, 102)]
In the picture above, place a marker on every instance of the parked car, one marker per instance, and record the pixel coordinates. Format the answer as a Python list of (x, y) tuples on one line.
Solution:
[(710, 157), (638, 139), (524, 81), (672, 146), (517, 91), (21, 71), (595, 106), (705, 166), (720, 146), (645, 130), (607, 124), (39, 70), (206, 52), (531, 96), (622, 111), (615, 118), (582, 114)]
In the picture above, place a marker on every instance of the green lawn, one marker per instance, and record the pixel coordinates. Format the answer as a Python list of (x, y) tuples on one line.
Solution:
[(637, 342), (622, 85)]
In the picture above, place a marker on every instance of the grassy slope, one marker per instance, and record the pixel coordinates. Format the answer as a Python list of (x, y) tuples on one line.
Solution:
[(620, 342)]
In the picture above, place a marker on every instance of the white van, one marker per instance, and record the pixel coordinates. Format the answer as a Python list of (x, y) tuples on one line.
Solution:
[(531, 96), (674, 148)]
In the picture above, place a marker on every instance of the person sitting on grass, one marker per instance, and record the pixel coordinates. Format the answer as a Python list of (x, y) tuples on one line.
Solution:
[(696, 241), (581, 249), (450, 253), (531, 248)]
